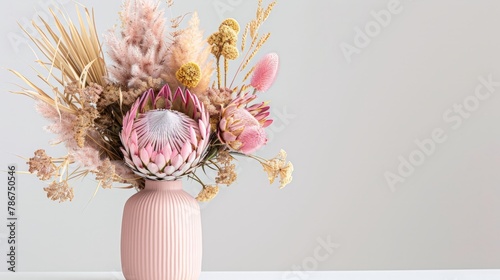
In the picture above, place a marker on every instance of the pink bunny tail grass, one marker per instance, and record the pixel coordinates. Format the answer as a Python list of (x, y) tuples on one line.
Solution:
[(265, 72)]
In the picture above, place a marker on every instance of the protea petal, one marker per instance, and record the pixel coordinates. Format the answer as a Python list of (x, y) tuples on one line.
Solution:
[(132, 149), (160, 161), (191, 158), (137, 162), (169, 170), (167, 153), (186, 150), (242, 127), (165, 135), (144, 156), (177, 161), (153, 168)]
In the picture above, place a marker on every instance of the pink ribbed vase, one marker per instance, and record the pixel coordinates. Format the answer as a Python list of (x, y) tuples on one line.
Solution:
[(161, 234)]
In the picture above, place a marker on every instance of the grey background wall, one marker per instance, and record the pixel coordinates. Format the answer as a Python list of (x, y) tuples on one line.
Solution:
[(389, 111)]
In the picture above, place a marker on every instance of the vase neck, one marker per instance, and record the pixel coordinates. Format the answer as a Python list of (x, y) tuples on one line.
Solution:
[(163, 185)]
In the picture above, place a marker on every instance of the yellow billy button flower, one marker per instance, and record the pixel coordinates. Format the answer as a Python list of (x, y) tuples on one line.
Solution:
[(189, 74), (227, 35), (230, 52), (231, 22)]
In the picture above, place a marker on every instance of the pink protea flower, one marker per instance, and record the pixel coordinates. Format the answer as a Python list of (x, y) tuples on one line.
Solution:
[(242, 127), (265, 72), (165, 135)]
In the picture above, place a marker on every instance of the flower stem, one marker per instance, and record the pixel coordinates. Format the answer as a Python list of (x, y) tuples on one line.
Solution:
[(218, 72), (197, 179), (242, 62), (257, 158), (226, 67)]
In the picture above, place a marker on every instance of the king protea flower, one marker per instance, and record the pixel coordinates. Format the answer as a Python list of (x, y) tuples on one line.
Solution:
[(165, 135), (242, 127)]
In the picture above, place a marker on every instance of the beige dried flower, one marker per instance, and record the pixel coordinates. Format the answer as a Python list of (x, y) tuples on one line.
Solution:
[(59, 191), (90, 94), (219, 98), (113, 94), (226, 175), (286, 175), (207, 193), (84, 120), (131, 95), (272, 168), (214, 99), (214, 123), (224, 157), (106, 174), (110, 95), (42, 164), (189, 74), (87, 112), (278, 167)]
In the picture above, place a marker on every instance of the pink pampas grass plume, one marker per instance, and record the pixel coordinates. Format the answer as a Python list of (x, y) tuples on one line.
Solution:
[(265, 72), (62, 125), (189, 45), (140, 50)]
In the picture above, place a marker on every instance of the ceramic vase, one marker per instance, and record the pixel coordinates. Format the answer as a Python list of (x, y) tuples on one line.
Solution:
[(161, 234)]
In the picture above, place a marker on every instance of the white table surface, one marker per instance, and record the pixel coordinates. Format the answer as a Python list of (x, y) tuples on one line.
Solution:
[(279, 275)]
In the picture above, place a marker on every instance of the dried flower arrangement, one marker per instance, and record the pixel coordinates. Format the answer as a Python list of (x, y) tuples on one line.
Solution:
[(153, 112)]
